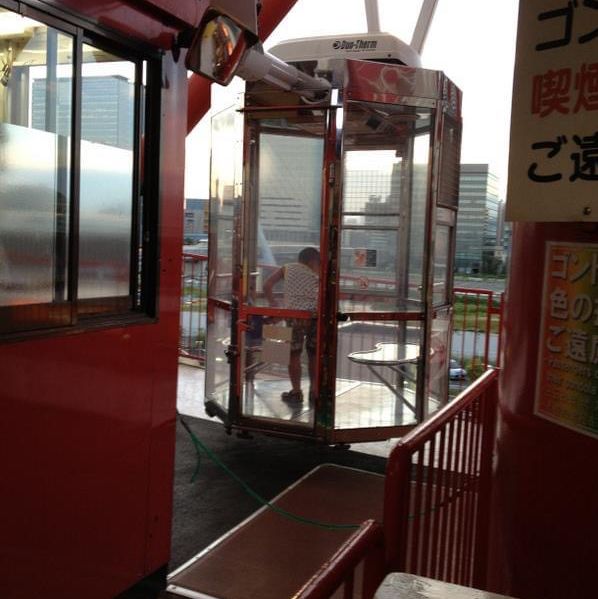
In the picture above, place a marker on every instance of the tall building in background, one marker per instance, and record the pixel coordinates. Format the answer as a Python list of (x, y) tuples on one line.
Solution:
[(290, 186), (362, 185), (196, 219), (479, 247), (370, 193), (106, 109)]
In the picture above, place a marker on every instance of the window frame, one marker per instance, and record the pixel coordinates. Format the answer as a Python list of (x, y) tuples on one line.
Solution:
[(140, 305)]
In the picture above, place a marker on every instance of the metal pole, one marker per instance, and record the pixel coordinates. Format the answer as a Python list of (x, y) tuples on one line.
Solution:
[(51, 120), (426, 14), (371, 14)]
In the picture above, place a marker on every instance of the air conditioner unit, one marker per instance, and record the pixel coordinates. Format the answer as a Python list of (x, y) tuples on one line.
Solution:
[(324, 50)]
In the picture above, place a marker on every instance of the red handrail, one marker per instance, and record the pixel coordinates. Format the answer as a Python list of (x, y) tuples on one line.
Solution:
[(195, 257), (427, 429), (193, 304), (437, 490), (460, 322), (483, 314), (436, 507), (365, 547)]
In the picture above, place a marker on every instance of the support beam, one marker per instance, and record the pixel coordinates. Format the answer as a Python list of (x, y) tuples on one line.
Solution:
[(180, 11), (372, 16), (426, 14)]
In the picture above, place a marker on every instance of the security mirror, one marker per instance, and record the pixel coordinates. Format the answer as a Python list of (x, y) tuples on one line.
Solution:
[(217, 49)]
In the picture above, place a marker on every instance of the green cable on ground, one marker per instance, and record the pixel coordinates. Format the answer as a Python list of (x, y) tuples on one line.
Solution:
[(200, 447)]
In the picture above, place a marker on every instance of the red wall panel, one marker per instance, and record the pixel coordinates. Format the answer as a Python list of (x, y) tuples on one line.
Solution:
[(545, 515), (87, 427)]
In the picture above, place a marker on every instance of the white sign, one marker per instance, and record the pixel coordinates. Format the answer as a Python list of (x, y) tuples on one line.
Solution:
[(553, 160)]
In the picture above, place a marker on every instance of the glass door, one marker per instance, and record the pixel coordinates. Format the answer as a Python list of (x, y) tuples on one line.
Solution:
[(280, 286), (223, 240), (381, 303)]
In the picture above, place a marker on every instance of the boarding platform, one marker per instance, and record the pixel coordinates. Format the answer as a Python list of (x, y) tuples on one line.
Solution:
[(428, 516), (271, 556)]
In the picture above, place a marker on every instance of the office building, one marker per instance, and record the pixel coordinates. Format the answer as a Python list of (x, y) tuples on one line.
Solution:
[(289, 188), (196, 219), (478, 247), (106, 109)]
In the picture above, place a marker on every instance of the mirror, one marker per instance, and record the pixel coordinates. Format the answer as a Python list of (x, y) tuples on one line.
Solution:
[(217, 49)]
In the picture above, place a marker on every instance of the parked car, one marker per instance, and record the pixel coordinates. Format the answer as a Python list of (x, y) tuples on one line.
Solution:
[(456, 373)]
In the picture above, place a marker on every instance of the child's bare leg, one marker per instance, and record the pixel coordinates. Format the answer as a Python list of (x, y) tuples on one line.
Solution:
[(295, 370)]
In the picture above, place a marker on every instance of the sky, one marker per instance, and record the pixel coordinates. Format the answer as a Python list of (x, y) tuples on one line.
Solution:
[(472, 41)]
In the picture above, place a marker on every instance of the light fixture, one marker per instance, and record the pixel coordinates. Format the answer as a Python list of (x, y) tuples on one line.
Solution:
[(14, 25)]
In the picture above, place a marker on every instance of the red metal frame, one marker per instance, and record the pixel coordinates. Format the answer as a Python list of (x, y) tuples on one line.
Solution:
[(364, 548), (155, 22), (88, 419), (437, 501), (489, 313), (191, 309)]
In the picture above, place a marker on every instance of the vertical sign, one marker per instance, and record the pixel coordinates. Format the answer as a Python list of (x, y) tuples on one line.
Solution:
[(567, 389), (553, 159)]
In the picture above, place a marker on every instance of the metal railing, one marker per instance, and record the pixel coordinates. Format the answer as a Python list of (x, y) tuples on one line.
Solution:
[(476, 321), (194, 282), (477, 318), (437, 490), (436, 505), (357, 567)]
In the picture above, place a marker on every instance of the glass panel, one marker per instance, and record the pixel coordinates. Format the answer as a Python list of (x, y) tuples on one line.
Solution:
[(285, 211), (439, 360), (192, 319), (224, 200), (217, 367), (107, 167), (272, 351), (385, 188), (34, 184), (282, 241), (442, 244), (419, 187), (448, 194), (224, 220), (377, 369)]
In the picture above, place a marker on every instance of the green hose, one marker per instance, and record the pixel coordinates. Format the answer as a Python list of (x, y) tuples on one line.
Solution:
[(201, 448)]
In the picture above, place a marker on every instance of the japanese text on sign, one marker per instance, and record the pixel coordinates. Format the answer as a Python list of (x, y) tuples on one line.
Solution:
[(553, 166), (567, 389)]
